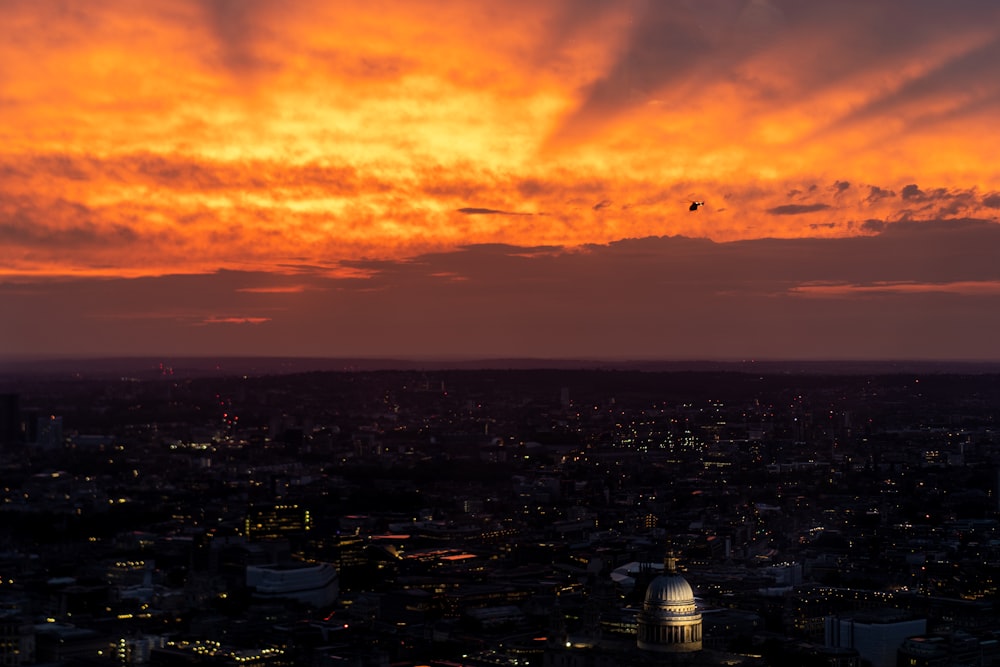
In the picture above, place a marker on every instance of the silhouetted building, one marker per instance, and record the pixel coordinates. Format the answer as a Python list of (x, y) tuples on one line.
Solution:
[(876, 634), (17, 641), (956, 648), (48, 433), (10, 420)]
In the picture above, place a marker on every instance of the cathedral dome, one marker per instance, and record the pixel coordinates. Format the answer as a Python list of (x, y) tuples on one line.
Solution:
[(669, 621), (670, 590)]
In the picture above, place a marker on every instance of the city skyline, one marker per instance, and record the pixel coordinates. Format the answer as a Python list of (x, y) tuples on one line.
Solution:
[(501, 179)]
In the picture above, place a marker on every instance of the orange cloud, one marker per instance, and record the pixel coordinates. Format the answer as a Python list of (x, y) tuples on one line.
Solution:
[(842, 290), (235, 320), (276, 289), (191, 136)]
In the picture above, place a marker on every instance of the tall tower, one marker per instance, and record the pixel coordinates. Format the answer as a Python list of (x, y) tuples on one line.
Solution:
[(669, 621)]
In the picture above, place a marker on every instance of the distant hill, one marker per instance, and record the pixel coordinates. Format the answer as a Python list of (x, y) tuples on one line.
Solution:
[(150, 367)]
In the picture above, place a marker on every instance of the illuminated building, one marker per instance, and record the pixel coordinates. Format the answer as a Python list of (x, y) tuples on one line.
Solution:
[(129, 572), (272, 521), (213, 653), (669, 621), (315, 584), (666, 631)]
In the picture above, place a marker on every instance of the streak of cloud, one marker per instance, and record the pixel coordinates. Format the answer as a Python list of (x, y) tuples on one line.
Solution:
[(843, 290), (472, 210), (797, 209), (231, 319)]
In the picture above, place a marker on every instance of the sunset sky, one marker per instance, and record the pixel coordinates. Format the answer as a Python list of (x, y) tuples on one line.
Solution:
[(487, 178)]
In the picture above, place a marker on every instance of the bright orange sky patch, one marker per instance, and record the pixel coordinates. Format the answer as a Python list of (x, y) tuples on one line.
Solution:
[(175, 137)]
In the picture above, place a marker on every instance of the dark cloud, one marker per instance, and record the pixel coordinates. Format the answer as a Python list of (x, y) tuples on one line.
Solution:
[(506, 249), (797, 209), (663, 46), (532, 187), (992, 200), (675, 45), (884, 30), (604, 203), (796, 193), (185, 172), (58, 224), (235, 319), (670, 46), (236, 25), (873, 225), (70, 167), (912, 193), (841, 186), (181, 172), (742, 298), (876, 193), (303, 267), (968, 80), (938, 202), (481, 211), (487, 211), (957, 204)]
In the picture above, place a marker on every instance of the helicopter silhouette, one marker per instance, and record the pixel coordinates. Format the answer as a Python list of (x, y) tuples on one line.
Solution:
[(695, 205)]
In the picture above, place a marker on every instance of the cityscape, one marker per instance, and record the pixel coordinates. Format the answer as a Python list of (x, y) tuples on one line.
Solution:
[(292, 512), (499, 333)]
